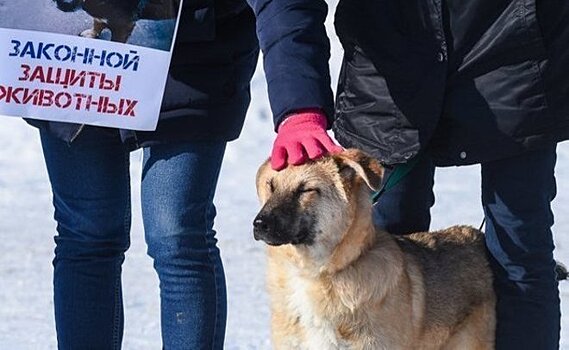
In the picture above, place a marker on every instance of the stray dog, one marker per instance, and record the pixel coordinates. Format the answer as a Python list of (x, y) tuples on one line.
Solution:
[(119, 16), (338, 282)]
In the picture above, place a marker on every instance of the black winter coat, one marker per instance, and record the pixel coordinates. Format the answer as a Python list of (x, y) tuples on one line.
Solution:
[(472, 81)]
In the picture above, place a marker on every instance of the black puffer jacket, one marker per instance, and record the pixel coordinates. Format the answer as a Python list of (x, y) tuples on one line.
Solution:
[(472, 81)]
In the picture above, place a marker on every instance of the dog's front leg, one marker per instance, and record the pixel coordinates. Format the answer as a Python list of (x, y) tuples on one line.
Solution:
[(286, 330), (95, 32)]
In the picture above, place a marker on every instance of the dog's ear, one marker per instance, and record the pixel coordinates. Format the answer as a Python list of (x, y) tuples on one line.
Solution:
[(261, 179), (355, 162)]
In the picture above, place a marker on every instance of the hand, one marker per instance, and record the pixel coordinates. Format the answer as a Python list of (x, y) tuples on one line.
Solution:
[(300, 137)]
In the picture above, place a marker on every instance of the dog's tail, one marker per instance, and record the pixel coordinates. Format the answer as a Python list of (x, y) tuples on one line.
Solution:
[(561, 271)]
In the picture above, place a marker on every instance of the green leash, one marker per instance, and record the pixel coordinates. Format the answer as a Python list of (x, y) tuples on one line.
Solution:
[(396, 175)]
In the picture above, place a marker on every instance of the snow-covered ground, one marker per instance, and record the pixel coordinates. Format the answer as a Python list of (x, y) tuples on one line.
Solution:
[(27, 229)]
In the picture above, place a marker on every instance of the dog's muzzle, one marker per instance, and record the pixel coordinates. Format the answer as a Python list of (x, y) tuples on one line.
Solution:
[(266, 228), (69, 5)]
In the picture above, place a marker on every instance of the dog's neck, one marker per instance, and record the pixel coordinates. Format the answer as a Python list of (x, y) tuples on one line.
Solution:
[(356, 241), (359, 237), (363, 247)]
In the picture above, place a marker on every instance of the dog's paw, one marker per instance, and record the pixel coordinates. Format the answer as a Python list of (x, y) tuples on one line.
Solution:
[(89, 33)]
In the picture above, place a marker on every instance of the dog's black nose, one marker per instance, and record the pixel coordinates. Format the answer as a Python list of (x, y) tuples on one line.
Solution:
[(263, 226), (261, 223)]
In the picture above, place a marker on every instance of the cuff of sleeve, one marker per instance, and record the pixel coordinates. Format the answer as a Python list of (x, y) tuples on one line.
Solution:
[(314, 96)]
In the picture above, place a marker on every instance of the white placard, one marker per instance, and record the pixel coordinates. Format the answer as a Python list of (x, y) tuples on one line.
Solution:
[(69, 78)]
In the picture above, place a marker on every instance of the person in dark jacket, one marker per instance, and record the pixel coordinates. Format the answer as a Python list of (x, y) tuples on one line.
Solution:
[(204, 106), (448, 83)]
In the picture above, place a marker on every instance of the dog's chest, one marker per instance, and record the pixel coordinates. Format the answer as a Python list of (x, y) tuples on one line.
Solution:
[(320, 332)]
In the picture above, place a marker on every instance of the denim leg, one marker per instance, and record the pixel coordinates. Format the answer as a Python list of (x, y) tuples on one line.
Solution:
[(516, 195), (178, 186), (91, 196), (405, 208)]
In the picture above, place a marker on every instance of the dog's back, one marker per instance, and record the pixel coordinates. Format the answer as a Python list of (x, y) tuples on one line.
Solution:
[(457, 279)]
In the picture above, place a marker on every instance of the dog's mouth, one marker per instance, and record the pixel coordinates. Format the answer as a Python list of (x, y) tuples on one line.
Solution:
[(271, 242), (276, 240)]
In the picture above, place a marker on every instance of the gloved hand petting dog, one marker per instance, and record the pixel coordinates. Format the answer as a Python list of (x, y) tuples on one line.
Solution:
[(300, 137)]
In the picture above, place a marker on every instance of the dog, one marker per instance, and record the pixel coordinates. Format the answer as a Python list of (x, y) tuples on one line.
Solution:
[(119, 16), (336, 281)]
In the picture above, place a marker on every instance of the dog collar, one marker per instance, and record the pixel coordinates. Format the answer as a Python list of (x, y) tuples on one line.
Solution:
[(398, 173)]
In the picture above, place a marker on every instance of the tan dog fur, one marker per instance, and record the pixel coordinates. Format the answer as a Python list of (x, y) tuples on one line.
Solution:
[(357, 287)]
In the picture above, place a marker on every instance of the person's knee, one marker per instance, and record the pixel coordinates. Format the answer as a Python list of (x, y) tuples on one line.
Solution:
[(177, 234), (90, 249), (92, 232), (531, 276)]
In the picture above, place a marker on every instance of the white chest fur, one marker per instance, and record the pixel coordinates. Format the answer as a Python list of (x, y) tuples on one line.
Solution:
[(320, 333)]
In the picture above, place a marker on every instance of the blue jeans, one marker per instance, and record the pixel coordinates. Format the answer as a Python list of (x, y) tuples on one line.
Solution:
[(91, 195), (516, 198)]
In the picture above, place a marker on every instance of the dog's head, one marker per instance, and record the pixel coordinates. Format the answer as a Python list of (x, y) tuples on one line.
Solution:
[(69, 5), (312, 205)]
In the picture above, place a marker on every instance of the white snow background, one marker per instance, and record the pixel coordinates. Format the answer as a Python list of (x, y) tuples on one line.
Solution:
[(27, 230)]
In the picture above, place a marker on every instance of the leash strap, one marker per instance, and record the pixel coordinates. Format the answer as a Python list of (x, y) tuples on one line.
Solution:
[(398, 173), (482, 225)]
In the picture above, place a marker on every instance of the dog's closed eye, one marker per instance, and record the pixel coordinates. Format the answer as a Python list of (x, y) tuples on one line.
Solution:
[(309, 190), (305, 189)]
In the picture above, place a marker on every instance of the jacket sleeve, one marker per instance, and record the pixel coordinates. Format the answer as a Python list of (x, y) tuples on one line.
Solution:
[(296, 51)]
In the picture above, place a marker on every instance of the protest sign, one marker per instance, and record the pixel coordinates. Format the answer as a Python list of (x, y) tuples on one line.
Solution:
[(91, 62)]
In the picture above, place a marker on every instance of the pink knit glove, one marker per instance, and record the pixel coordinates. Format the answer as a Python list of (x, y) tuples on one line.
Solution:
[(300, 137)]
